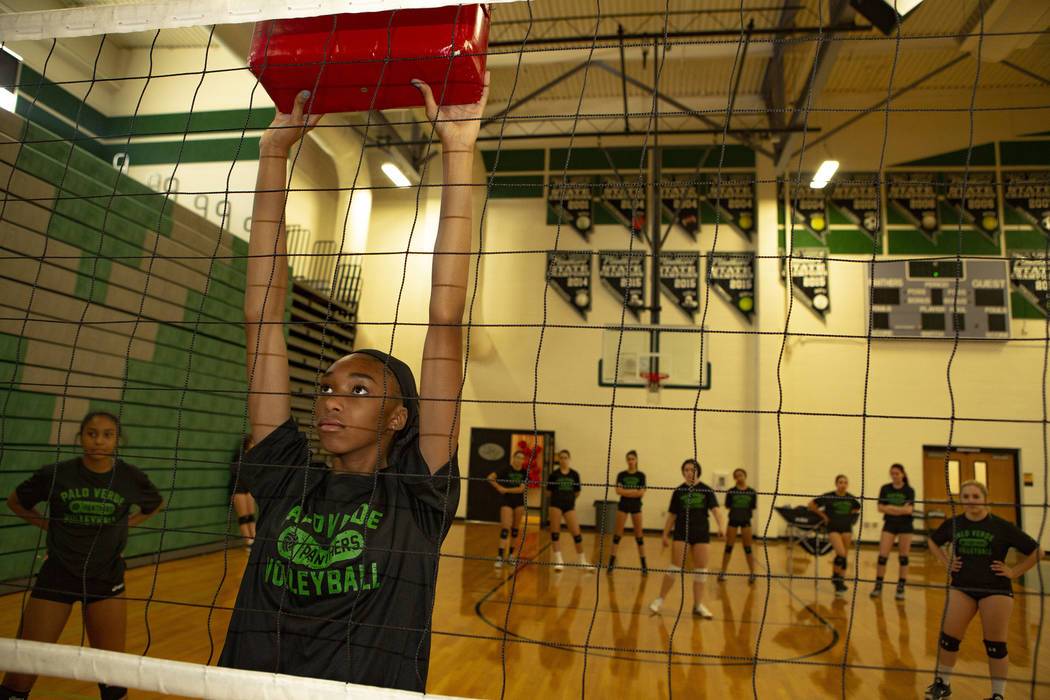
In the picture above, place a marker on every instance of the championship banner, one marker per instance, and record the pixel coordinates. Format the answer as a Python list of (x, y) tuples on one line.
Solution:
[(974, 196), (680, 200), (680, 279), (734, 200), (914, 196), (572, 202), (856, 196), (570, 275), (1028, 276), (1027, 193), (623, 273), (810, 208), (809, 278), (626, 202), (733, 276)]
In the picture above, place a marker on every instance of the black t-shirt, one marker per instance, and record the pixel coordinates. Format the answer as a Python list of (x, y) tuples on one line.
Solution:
[(340, 582), (741, 503), (627, 480), (88, 511), (563, 489), (979, 543), (690, 504), (510, 478), (889, 496), (839, 509)]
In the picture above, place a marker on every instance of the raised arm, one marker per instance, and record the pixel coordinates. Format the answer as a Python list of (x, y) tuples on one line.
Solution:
[(269, 404), (442, 369)]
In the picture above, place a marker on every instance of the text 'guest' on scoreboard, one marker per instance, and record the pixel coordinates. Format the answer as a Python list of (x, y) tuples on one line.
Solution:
[(933, 298)]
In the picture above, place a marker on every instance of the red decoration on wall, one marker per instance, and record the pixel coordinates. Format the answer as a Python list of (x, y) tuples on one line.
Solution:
[(355, 62), (532, 464)]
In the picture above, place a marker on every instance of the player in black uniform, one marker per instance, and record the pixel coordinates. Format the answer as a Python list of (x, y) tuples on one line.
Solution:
[(563, 487), (341, 580), (89, 510), (896, 502), (687, 516), (741, 501), (630, 485), (980, 582), (243, 503), (838, 508), (510, 482)]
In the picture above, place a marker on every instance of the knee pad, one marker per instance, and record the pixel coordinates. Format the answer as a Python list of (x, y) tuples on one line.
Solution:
[(883, 560), (672, 569), (747, 550), (996, 650), (700, 574), (640, 541), (577, 538), (950, 643), (840, 562), (729, 549), (903, 561), (504, 533), (616, 539), (111, 692), (514, 532), (555, 536)]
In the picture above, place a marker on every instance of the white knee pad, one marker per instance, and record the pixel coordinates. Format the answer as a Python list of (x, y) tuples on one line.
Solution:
[(700, 574)]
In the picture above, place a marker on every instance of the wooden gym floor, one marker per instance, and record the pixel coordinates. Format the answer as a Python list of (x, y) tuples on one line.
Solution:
[(554, 617)]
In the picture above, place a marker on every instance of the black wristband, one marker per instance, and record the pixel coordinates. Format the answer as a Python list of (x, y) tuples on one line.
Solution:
[(245, 519)]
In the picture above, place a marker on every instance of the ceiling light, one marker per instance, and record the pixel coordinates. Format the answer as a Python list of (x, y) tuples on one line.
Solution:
[(885, 14), (396, 176), (824, 173)]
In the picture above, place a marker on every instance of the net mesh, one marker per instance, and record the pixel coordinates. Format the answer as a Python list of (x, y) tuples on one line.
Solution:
[(665, 150)]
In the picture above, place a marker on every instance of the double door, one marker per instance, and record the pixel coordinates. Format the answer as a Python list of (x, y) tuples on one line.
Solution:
[(997, 469)]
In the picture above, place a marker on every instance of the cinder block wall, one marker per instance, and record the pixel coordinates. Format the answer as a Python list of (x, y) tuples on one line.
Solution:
[(112, 297)]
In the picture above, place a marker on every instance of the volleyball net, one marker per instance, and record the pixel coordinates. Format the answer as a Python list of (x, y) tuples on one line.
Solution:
[(655, 258)]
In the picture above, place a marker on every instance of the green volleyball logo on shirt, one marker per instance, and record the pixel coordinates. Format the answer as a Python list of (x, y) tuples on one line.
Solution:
[(310, 566), (564, 484), (630, 482), (741, 501), (91, 506), (694, 500), (974, 542), (842, 507)]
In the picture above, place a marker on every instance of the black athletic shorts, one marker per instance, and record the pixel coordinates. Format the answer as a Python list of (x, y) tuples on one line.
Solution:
[(513, 500), (740, 523), (978, 594), (840, 528), (632, 506), (57, 584), (563, 507), (694, 537), (898, 528)]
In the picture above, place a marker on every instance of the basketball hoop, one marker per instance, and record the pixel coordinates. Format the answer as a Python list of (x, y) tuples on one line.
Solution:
[(652, 382)]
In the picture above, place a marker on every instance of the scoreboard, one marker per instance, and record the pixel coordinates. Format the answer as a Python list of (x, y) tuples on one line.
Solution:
[(932, 298)]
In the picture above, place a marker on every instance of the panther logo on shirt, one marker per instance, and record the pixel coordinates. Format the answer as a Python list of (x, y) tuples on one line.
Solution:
[(316, 551)]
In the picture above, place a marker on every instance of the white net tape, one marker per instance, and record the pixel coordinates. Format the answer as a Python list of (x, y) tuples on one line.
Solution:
[(178, 677)]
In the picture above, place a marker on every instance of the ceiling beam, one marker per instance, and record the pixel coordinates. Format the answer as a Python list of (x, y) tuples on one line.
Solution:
[(773, 80), (675, 103), (823, 62)]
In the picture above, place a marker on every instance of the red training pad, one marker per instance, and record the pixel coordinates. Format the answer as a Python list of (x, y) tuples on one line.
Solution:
[(372, 56)]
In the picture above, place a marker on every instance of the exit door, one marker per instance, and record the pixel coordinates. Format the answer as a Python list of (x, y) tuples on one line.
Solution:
[(995, 468), (490, 451)]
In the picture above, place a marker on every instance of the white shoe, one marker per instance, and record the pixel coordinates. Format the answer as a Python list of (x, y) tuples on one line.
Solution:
[(702, 611), (559, 563), (655, 606), (498, 564), (587, 565)]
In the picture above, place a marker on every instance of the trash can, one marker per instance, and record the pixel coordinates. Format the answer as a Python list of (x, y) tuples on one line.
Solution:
[(604, 516)]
